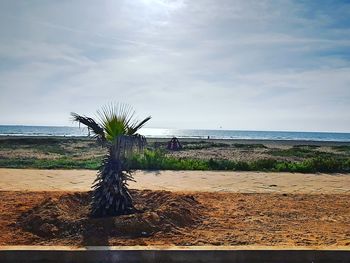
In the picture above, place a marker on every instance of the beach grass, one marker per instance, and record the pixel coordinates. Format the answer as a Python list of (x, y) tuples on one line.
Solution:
[(342, 148), (82, 153), (60, 163), (156, 160), (303, 152)]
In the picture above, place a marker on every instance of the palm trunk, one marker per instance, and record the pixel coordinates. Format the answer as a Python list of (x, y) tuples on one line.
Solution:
[(110, 194)]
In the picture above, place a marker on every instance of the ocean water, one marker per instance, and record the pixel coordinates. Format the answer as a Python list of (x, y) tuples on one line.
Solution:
[(14, 130)]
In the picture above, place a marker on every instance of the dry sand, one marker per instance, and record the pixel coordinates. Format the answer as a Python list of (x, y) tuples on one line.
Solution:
[(191, 219), (236, 208), (191, 181)]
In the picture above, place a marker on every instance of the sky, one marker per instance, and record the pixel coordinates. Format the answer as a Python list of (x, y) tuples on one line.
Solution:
[(206, 64)]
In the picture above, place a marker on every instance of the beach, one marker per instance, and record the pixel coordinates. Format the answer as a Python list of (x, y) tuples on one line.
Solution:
[(185, 207), (24, 152), (175, 131)]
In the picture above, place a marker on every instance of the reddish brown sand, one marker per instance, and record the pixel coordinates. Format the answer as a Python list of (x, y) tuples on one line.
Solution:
[(205, 219)]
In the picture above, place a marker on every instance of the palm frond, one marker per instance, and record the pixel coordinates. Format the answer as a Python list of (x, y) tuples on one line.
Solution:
[(91, 124), (137, 125), (118, 119)]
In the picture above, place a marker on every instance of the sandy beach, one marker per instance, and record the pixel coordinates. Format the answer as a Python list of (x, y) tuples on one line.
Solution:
[(183, 208)]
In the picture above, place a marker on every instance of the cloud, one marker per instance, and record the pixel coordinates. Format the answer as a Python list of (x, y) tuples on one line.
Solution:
[(236, 64)]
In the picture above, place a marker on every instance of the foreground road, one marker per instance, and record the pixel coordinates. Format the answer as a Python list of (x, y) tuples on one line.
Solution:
[(210, 181)]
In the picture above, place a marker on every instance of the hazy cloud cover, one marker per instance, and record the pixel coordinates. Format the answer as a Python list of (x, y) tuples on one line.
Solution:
[(255, 65)]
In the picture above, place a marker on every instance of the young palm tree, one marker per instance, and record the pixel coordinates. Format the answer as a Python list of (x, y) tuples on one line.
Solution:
[(116, 130)]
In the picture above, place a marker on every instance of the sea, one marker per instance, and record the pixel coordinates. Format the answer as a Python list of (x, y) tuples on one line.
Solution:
[(64, 131)]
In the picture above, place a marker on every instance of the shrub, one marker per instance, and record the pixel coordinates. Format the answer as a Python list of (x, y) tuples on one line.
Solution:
[(157, 160)]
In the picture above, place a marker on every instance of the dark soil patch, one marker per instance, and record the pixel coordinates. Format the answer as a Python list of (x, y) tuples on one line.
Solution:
[(68, 215)]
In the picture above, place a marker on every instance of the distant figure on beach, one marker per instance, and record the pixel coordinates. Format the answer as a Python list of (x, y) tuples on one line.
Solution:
[(174, 144)]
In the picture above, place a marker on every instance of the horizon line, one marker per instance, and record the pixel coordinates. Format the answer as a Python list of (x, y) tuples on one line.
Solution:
[(199, 129)]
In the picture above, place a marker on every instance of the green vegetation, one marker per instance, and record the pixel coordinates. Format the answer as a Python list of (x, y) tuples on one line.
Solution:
[(59, 146), (342, 148), (211, 144), (13, 142), (203, 145), (301, 152), (249, 146), (306, 146), (156, 160), (60, 163), (84, 153), (190, 145)]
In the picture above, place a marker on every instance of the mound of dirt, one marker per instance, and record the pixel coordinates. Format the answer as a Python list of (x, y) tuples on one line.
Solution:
[(69, 215)]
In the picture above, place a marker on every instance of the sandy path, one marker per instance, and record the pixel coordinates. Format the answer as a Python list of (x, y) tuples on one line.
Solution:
[(211, 181)]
